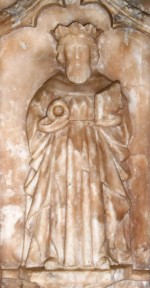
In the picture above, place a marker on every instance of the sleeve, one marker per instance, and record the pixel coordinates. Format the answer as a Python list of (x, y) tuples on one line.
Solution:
[(37, 111), (112, 116)]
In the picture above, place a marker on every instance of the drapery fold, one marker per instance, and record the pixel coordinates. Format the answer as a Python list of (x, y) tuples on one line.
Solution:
[(79, 205)]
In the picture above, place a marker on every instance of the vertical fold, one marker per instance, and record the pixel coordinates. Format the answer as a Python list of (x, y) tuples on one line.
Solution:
[(58, 199), (70, 231), (86, 203), (96, 197), (38, 214)]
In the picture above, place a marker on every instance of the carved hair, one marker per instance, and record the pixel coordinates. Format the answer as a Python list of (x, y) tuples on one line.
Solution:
[(88, 31)]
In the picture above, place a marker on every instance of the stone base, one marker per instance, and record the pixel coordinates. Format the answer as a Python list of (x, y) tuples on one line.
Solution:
[(115, 278)]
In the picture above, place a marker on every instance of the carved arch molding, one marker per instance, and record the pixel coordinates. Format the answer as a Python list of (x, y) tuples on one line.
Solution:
[(39, 110)]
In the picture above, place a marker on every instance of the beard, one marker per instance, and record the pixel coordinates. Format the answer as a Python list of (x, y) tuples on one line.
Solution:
[(78, 73)]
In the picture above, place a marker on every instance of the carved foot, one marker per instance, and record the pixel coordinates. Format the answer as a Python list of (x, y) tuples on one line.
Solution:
[(52, 265), (103, 263)]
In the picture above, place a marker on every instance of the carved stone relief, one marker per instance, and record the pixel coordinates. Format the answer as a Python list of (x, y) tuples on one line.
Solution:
[(75, 151)]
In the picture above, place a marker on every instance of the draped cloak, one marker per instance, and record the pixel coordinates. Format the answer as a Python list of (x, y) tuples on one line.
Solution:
[(78, 207)]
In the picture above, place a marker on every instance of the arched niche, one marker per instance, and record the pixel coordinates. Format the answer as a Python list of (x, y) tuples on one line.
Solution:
[(28, 59)]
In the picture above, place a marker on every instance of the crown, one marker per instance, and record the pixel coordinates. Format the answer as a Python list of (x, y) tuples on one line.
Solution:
[(76, 29)]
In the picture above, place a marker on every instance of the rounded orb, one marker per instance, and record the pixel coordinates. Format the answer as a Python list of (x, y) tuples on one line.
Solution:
[(58, 110)]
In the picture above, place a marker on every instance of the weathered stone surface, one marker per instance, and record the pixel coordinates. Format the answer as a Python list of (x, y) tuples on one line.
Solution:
[(132, 284), (6, 3), (55, 283), (77, 70)]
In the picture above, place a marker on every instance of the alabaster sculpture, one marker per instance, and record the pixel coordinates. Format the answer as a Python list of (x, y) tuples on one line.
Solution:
[(75, 158), (78, 130)]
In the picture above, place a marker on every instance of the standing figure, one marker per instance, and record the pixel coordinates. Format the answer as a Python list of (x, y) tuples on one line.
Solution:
[(78, 129)]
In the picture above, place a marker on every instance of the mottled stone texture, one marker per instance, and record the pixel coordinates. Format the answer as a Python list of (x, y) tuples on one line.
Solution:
[(135, 80), (6, 3), (27, 61)]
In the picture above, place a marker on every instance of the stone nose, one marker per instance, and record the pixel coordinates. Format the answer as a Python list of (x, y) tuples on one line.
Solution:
[(77, 54)]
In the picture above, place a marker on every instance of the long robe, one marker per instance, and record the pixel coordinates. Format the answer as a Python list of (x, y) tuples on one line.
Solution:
[(78, 213)]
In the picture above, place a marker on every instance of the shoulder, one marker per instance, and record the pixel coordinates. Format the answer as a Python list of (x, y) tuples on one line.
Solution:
[(44, 95)]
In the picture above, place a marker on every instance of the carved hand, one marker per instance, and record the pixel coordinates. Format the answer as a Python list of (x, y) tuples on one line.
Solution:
[(57, 117)]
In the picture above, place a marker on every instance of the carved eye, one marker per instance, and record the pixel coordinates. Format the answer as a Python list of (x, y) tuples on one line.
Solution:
[(58, 110)]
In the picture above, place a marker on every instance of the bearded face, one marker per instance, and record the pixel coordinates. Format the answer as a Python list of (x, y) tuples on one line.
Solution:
[(77, 59)]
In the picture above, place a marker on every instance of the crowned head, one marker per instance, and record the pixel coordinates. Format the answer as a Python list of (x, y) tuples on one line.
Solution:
[(77, 50)]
